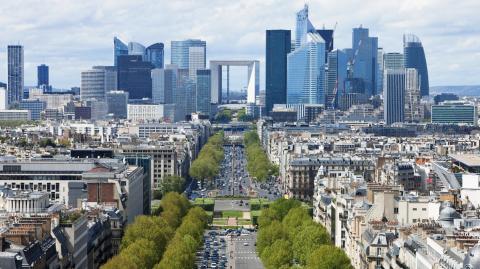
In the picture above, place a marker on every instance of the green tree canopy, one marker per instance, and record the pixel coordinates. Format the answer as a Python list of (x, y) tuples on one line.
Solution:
[(278, 255), (328, 257)]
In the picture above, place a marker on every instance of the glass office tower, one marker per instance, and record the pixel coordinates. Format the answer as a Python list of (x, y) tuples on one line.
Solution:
[(394, 96), (414, 57), (135, 48), (119, 48), (155, 54), (134, 76), (15, 73), (365, 53), (203, 93), (306, 72), (180, 51), (303, 26), (278, 46)]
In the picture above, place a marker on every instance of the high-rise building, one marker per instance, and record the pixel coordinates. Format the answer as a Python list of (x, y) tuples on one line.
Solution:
[(306, 72), (117, 104), (155, 55), (15, 73), (42, 78), (365, 51), (134, 76), (96, 82), (327, 35), (278, 46), (180, 52), (196, 61), (203, 93), (394, 95), (393, 60), (163, 85), (412, 96), (380, 70), (303, 26), (336, 75), (415, 58), (135, 48), (119, 48)]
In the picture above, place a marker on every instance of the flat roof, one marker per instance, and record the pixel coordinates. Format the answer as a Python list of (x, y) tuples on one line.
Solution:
[(467, 159)]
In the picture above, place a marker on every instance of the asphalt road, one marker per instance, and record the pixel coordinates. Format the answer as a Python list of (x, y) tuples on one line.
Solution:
[(242, 254), (224, 205)]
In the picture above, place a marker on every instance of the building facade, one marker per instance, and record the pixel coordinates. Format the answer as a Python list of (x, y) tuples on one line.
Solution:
[(394, 96), (278, 45), (15, 73), (134, 76), (415, 58)]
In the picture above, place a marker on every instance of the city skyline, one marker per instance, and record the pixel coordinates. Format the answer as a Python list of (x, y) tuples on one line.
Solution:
[(71, 39)]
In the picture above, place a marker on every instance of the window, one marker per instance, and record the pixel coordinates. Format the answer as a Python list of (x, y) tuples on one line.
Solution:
[(395, 210), (424, 209), (414, 209)]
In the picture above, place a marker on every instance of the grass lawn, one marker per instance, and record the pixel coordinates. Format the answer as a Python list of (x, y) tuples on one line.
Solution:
[(201, 201), (232, 213), (219, 221), (244, 222)]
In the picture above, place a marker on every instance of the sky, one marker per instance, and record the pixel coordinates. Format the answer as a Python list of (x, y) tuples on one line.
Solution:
[(71, 36)]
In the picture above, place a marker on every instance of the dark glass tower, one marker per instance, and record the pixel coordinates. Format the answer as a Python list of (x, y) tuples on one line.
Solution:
[(119, 48), (134, 76), (414, 57), (278, 45), (155, 54), (327, 35), (42, 77)]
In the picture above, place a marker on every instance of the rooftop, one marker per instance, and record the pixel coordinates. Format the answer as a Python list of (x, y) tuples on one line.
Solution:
[(467, 159)]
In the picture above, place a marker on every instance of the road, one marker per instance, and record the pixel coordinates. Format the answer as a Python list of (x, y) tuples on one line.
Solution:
[(242, 254)]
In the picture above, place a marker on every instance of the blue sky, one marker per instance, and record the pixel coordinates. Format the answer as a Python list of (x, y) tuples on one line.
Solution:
[(71, 36)]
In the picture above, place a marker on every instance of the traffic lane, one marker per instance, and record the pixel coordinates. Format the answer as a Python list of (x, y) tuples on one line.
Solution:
[(224, 205), (245, 256)]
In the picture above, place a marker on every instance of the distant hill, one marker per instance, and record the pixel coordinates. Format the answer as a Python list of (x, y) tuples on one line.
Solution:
[(470, 90)]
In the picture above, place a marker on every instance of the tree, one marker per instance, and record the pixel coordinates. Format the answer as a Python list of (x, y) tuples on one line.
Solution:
[(269, 234), (151, 228), (328, 257), (309, 238), (120, 262), (277, 255), (143, 253), (295, 219), (172, 184), (282, 206), (224, 116)]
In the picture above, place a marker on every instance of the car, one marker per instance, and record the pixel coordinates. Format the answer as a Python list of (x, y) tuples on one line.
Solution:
[(246, 244)]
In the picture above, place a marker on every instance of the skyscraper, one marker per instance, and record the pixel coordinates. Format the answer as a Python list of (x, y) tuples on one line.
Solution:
[(336, 75), (96, 82), (119, 48), (155, 54), (15, 73), (278, 46), (163, 85), (196, 61), (412, 96), (135, 48), (180, 51), (42, 78), (203, 93), (303, 26), (394, 96), (365, 50), (414, 56), (306, 72), (327, 35), (393, 60), (380, 55), (134, 76)]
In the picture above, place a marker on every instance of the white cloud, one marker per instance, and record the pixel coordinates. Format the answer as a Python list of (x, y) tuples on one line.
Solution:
[(74, 35)]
